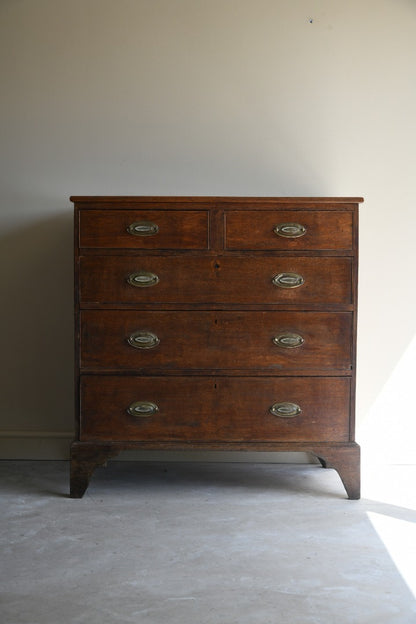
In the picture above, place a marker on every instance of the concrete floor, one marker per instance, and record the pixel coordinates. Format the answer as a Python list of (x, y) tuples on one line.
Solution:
[(206, 544)]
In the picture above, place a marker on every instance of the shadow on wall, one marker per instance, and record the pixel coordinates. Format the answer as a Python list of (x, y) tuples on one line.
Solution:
[(37, 325)]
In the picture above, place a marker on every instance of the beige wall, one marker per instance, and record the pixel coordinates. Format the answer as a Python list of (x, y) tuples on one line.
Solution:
[(264, 97)]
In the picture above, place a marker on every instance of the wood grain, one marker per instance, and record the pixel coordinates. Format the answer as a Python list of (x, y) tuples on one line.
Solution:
[(203, 280), (178, 229), (216, 340), (255, 230), (215, 371), (220, 408)]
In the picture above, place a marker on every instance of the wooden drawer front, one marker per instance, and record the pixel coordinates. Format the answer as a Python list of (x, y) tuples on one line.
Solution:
[(193, 280), (176, 229), (273, 341), (214, 409), (324, 230)]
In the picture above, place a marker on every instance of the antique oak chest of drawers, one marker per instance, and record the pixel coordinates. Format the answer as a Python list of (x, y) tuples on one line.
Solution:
[(219, 323)]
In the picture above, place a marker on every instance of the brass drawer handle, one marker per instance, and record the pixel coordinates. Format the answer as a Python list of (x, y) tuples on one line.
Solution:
[(142, 409), (142, 279), (289, 230), (143, 228), (143, 340), (288, 280), (288, 340), (285, 410)]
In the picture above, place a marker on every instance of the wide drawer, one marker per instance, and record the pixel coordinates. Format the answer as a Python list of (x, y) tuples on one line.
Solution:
[(144, 229), (295, 230), (214, 409), (204, 280), (273, 341)]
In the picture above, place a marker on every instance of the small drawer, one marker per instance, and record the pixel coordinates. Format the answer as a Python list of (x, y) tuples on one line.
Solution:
[(225, 280), (294, 230), (207, 409), (144, 229), (272, 342)]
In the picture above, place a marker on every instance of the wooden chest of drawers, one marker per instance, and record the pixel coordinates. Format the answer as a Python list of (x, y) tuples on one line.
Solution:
[(215, 323)]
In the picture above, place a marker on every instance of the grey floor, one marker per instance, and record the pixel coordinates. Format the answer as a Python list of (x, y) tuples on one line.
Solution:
[(206, 544)]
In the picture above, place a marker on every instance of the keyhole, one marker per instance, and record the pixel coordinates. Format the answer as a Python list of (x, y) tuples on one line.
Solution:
[(217, 265)]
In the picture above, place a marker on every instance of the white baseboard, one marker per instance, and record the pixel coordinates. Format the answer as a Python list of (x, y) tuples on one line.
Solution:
[(35, 444), (217, 456), (54, 445)]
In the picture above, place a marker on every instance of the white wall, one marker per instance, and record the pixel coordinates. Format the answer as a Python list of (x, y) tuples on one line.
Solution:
[(211, 97)]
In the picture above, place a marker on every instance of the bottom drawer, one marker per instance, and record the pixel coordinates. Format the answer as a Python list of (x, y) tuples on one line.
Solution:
[(221, 409)]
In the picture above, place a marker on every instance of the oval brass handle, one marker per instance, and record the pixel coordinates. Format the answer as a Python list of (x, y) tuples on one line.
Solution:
[(143, 340), (142, 409), (285, 410), (288, 340), (289, 230), (143, 228), (142, 279), (288, 280)]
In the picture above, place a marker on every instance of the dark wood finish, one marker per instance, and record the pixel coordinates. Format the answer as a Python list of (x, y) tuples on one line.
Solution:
[(215, 409), (255, 230), (346, 461), (204, 280), (208, 340), (166, 202), (85, 458), (216, 371), (178, 229)]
